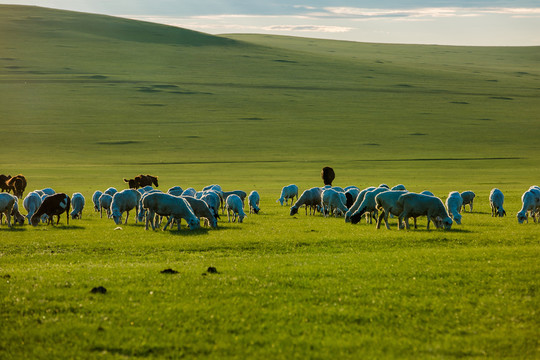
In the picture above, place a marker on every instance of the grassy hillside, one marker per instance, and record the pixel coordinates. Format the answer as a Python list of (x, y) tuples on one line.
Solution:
[(84, 86)]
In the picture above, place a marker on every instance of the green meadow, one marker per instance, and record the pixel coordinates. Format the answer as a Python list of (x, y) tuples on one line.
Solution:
[(87, 100)]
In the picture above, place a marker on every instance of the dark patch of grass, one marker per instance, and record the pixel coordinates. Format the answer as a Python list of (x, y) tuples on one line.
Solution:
[(118, 142), (501, 98), (459, 102)]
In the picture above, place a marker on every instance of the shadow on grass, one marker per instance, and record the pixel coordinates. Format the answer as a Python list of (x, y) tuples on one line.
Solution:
[(61, 227), (12, 229)]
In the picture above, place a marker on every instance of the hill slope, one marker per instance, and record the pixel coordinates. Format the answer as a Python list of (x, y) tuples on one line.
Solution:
[(92, 89)]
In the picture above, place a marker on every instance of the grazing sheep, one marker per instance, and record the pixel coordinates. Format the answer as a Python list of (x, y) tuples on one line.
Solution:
[(427, 192), (31, 203), (189, 192), (384, 186), (333, 201), (145, 191), (175, 190), (142, 181), (6, 206), (124, 201), (17, 184), (111, 191), (310, 198), (496, 200), (468, 198), (367, 206), (213, 200), (241, 194), (288, 192), (3, 185), (531, 203), (52, 205), (235, 204), (328, 175), (399, 187), (48, 191), (174, 207), (105, 201), (18, 218), (95, 199), (357, 202), (351, 193), (454, 201), (77, 202), (415, 205), (201, 210), (253, 201), (386, 204)]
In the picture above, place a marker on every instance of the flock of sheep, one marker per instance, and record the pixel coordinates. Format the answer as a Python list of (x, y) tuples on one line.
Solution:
[(382, 202), (151, 205)]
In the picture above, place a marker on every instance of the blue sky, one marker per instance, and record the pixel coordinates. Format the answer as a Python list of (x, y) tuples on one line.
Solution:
[(497, 22)]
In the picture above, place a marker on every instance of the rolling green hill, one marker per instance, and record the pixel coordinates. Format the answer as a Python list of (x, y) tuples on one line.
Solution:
[(88, 90)]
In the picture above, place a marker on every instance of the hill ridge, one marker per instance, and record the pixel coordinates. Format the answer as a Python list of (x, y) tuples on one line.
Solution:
[(51, 21)]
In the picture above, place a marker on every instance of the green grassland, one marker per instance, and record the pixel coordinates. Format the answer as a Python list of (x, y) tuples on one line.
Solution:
[(88, 100)]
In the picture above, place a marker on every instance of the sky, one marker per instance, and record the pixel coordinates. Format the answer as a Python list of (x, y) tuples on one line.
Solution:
[(474, 22)]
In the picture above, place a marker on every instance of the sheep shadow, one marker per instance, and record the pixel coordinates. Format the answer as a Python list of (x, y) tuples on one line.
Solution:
[(12, 229)]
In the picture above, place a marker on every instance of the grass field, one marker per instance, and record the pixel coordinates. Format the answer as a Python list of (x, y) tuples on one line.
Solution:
[(88, 100)]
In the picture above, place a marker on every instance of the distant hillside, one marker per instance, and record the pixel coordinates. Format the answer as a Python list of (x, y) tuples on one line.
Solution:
[(50, 22), (96, 89)]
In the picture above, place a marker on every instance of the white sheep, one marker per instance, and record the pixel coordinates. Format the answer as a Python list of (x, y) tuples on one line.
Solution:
[(18, 218), (95, 199), (454, 201), (399, 187), (351, 193), (48, 191), (174, 207), (357, 202), (31, 203), (333, 201), (531, 203), (415, 205), (253, 201), (6, 206), (145, 191), (367, 206), (386, 204), (310, 198), (234, 204), (213, 200), (427, 192), (111, 191), (241, 194), (175, 190), (105, 201), (288, 192), (77, 203), (468, 199), (124, 201), (201, 210), (496, 200), (189, 192)]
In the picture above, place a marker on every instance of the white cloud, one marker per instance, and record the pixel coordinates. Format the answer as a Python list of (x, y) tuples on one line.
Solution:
[(310, 28)]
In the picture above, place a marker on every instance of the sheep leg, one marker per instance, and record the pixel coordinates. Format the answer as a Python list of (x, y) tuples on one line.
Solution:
[(229, 215), (428, 220), (168, 222), (379, 219), (400, 220), (127, 215)]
